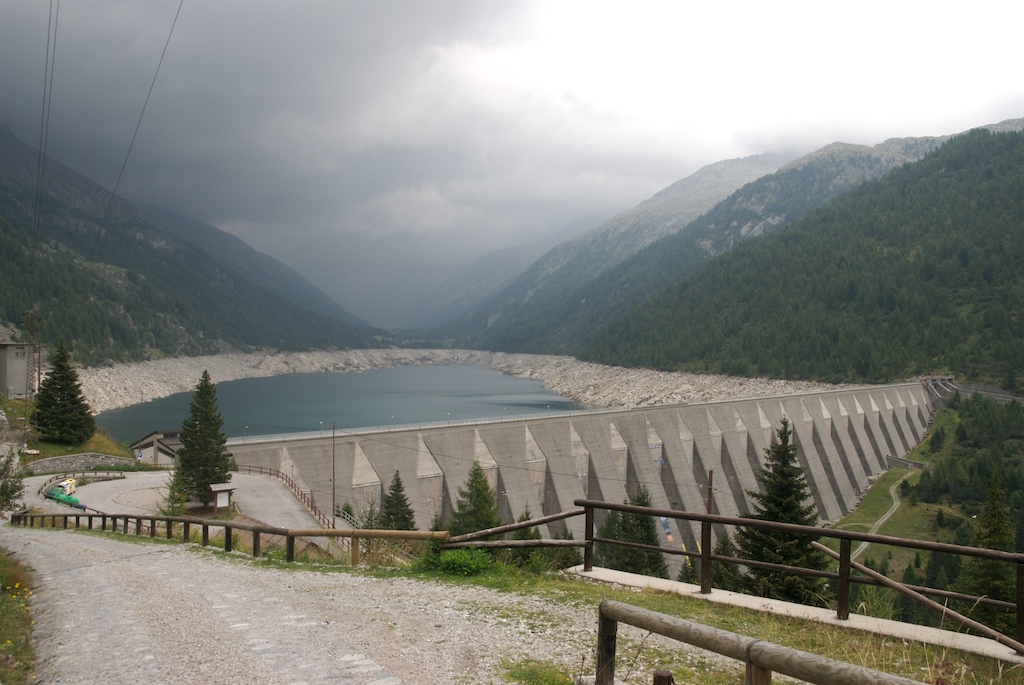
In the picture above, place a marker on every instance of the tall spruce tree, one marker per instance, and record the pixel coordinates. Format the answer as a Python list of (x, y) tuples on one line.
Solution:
[(62, 413), (476, 507), (202, 459), (785, 499), (989, 577), (630, 527), (395, 512)]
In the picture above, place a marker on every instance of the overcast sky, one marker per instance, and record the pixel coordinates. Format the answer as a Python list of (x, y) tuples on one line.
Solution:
[(375, 146)]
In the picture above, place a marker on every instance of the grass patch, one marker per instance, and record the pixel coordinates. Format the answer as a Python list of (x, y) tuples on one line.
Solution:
[(16, 654), (535, 672)]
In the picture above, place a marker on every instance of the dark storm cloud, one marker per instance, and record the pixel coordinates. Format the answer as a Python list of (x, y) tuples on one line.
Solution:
[(375, 146)]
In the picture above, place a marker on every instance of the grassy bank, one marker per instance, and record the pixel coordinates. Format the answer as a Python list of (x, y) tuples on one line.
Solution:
[(16, 654)]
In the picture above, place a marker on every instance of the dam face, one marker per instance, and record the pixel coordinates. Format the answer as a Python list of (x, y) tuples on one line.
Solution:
[(844, 438)]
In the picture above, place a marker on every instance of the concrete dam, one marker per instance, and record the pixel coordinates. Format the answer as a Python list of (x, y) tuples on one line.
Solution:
[(845, 438)]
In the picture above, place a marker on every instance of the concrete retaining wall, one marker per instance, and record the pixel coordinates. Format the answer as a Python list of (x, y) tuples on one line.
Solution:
[(543, 464)]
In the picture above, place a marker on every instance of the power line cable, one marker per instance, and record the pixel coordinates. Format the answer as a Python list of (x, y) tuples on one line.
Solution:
[(138, 124), (44, 123)]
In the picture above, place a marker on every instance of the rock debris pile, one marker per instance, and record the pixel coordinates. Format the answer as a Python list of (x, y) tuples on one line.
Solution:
[(593, 385)]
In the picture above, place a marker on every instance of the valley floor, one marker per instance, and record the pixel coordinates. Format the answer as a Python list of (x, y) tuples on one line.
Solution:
[(594, 385)]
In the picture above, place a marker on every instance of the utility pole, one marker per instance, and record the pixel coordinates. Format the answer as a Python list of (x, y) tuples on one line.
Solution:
[(33, 367), (334, 470)]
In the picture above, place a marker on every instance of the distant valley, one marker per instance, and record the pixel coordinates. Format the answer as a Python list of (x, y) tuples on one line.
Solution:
[(148, 283)]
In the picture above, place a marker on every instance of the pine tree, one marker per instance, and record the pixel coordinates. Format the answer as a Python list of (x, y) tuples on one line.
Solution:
[(726, 576), (630, 527), (989, 577), (784, 500), (395, 512), (202, 459), (62, 413), (476, 507), (520, 556)]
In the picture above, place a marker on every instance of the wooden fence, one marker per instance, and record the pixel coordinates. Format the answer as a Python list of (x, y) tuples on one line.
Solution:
[(761, 658), (843, 578), (144, 524)]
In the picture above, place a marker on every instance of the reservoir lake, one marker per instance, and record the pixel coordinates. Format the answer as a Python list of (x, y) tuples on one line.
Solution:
[(311, 402)]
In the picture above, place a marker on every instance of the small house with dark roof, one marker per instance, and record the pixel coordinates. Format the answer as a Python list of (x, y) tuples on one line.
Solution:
[(158, 448)]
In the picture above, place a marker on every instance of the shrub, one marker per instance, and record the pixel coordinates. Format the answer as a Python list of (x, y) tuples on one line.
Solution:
[(464, 562)]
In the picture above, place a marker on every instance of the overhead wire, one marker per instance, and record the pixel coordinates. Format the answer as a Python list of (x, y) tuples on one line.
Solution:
[(44, 123), (138, 125)]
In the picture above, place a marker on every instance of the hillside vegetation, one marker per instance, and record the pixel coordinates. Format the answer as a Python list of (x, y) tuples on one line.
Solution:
[(761, 207), (124, 288), (918, 272)]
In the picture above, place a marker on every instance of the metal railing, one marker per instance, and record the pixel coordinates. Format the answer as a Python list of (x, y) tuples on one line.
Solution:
[(303, 496), (761, 658)]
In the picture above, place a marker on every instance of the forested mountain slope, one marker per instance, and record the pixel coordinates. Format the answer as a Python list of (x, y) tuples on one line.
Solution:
[(758, 208), (127, 289), (920, 271), (262, 270), (505, 320)]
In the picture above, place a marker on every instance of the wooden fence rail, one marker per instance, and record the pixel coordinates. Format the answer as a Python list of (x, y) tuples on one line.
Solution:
[(761, 658), (843, 578), (123, 523)]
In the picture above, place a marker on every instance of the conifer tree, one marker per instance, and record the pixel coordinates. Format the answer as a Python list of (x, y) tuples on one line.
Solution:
[(62, 413), (725, 576), (785, 499), (476, 507), (395, 512), (520, 556), (630, 527), (989, 577), (202, 459)]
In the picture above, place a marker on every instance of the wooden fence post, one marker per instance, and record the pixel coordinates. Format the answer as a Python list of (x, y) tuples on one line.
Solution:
[(588, 550), (206, 534), (1020, 602), (255, 543), (354, 550), (705, 557), (755, 675), (289, 554), (185, 532), (606, 634), (227, 538), (152, 527), (662, 677), (843, 596)]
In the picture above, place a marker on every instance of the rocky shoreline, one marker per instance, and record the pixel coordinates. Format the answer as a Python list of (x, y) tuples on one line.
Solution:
[(593, 385)]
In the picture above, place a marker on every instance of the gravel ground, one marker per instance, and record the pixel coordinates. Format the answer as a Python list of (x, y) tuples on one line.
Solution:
[(114, 612)]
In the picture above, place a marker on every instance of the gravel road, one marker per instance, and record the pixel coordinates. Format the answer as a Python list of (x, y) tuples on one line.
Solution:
[(143, 613)]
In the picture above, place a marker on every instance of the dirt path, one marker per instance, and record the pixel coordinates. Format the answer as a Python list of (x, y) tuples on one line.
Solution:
[(880, 522), (139, 613)]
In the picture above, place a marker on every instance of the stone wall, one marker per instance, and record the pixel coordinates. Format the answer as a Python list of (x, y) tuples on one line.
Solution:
[(77, 462)]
